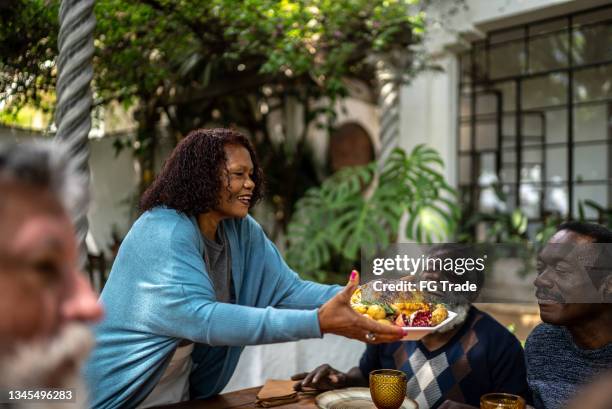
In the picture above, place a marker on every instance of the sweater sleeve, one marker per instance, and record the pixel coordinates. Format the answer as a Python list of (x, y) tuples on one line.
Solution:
[(290, 291), (186, 306)]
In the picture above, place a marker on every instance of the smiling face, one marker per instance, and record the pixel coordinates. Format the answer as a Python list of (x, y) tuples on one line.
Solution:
[(563, 284), (237, 183)]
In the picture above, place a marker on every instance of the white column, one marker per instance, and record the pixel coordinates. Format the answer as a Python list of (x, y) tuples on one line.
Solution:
[(428, 113)]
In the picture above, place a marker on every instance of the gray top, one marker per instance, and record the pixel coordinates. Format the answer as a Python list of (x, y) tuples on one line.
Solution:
[(219, 264), (556, 367)]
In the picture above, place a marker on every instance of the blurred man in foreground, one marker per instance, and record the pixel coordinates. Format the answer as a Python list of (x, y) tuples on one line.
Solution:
[(574, 289), (45, 300)]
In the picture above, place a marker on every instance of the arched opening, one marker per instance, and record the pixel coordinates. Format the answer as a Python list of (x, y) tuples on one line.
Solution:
[(350, 145)]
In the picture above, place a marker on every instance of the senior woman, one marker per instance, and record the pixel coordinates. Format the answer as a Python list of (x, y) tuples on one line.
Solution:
[(196, 279)]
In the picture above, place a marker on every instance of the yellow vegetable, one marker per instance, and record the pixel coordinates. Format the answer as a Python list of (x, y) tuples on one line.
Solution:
[(356, 297), (360, 308), (377, 312), (438, 315), (410, 307), (397, 307)]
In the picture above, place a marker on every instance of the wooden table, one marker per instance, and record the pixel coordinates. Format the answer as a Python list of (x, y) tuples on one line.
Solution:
[(243, 399)]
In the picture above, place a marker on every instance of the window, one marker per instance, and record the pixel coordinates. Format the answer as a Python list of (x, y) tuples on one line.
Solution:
[(535, 118)]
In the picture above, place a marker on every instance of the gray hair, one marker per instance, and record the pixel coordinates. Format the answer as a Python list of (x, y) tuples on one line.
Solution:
[(46, 164)]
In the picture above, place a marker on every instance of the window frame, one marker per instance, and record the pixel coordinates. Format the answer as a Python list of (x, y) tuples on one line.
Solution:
[(474, 81)]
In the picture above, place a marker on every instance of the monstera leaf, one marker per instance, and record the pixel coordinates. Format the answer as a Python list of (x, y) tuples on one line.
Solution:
[(429, 201), (323, 210), (360, 209)]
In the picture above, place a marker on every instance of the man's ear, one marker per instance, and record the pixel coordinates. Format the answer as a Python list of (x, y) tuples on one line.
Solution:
[(605, 289)]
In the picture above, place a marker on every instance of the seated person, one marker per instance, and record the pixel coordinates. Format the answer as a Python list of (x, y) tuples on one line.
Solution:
[(469, 357), (45, 301), (574, 343), (196, 279)]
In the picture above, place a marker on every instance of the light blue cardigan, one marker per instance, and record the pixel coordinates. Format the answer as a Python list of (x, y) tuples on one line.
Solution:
[(159, 293)]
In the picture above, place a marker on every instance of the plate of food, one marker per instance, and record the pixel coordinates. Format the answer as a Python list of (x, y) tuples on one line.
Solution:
[(353, 398), (415, 315)]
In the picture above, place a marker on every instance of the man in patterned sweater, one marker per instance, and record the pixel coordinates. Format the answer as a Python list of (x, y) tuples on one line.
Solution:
[(470, 357)]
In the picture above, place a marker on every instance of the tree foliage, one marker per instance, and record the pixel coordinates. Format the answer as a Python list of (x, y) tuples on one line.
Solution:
[(186, 51), (215, 62)]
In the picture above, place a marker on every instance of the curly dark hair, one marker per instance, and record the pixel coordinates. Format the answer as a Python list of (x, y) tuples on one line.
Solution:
[(191, 179)]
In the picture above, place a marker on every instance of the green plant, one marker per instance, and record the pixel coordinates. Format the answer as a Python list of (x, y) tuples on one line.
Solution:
[(360, 208), (604, 215), (502, 227), (192, 63), (511, 226), (508, 227), (549, 227), (551, 223)]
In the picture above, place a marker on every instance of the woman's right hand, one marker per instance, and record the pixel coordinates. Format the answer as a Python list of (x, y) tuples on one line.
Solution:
[(337, 317)]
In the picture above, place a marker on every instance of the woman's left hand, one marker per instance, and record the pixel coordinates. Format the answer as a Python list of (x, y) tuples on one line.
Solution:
[(337, 317)]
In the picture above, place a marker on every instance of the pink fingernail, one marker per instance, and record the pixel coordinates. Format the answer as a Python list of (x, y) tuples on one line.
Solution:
[(353, 275), (404, 332)]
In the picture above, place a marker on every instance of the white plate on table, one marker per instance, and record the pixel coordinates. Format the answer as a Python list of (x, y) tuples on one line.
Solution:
[(416, 333), (353, 398)]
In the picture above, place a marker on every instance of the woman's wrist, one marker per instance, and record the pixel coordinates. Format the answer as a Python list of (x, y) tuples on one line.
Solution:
[(321, 319)]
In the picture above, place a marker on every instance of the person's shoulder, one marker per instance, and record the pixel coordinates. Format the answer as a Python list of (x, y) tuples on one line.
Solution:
[(545, 346), (542, 336), (494, 338), (544, 329), (162, 223), (491, 331), (163, 214), (487, 326)]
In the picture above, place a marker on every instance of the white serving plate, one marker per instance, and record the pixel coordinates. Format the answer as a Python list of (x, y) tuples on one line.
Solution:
[(353, 398), (416, 333)]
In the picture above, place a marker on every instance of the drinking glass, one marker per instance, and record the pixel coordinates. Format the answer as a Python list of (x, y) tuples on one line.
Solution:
[(388, 388), (501, 401)]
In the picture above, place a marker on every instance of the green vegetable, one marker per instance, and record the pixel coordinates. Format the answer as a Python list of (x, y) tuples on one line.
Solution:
[(388, 309)]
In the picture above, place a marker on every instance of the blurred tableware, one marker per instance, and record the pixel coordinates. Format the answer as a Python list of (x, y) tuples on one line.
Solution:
[(353, 398), (388, 388), (501, 401)]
